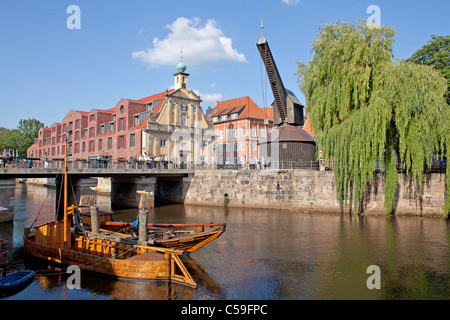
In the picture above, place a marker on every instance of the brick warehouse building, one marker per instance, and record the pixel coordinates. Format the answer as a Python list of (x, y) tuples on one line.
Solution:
[(126, 131)]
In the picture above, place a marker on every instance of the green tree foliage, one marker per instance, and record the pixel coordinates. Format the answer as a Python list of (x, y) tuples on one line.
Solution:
[(21, 138), (30, 128), (436, 53), (14, 140), (365, 108)]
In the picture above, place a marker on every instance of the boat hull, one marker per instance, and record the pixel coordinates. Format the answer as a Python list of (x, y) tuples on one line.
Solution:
[(96, 255)]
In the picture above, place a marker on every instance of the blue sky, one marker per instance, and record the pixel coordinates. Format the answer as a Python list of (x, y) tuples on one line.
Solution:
[(130, 49)]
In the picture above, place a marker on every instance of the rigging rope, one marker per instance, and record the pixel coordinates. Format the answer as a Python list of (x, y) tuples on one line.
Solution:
[(43, 203)]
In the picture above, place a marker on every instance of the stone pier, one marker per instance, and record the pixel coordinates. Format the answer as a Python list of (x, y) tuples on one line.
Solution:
[(7, 188), (124, 191)]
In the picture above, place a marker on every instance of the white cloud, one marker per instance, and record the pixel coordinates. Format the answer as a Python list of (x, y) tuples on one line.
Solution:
[(209, 97), (291, 2), (200, 44)]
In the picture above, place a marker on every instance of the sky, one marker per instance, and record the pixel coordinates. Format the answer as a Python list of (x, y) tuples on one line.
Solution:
[(55, 57)]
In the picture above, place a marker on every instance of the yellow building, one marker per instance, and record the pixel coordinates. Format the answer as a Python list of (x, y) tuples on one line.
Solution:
[(177, 128)]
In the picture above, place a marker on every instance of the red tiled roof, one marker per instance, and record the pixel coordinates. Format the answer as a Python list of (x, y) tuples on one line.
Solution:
[(140, 126), (34, 146), (246, 106), (154, 97), (111, 110), (308, 127), (84, 113)]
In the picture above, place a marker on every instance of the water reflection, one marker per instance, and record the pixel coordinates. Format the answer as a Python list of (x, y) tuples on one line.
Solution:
[(265, 254)]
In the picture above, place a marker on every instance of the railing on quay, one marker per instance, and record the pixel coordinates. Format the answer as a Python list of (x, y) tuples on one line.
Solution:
[(147, 165)]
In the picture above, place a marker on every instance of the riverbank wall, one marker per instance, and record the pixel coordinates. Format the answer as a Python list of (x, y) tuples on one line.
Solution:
[(308, 191), (297, 190)]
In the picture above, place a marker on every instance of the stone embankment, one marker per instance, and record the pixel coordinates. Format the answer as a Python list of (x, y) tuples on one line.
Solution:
[(298, 190), (307, 190)]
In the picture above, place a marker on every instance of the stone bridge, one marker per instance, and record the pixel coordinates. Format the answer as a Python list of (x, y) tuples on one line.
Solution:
[(164, 185)]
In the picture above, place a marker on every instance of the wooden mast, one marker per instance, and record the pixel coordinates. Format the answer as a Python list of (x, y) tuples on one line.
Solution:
[(65, 183)]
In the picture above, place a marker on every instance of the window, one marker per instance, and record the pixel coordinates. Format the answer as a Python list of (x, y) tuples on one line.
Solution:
[(91, 132), (229, 133), (221, 134), (83, 147), (77, 148), (253, 145), (253, 131), (132, 140), (242, 131), (215, 119), (234, 116), (183, 119), (92, 117), (235, 131), (121, 143), (121, 124), (85, 132), (111, 127), (77, 135), (102, 129), (261, 132), (136, 120), (162, 143), (77, 124), (235, 146), (100, 144), (109, 143), (242, 145), (91, 146), (224, 117)]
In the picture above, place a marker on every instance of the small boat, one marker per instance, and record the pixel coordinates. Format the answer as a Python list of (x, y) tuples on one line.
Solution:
[(68, 242), (185, 237), (179, 236), (16, 280)]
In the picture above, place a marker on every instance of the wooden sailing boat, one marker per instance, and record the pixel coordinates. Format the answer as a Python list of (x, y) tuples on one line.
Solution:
[(106, 253)]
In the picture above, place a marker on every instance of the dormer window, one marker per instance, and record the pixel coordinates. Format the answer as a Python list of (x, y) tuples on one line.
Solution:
[(215, 119), (234, 116), (224, 117)]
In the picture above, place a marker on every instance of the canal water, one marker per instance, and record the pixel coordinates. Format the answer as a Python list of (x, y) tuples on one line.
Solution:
[(264, 254)]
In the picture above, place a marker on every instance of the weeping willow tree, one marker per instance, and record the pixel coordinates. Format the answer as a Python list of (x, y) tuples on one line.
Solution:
[(366, 108)]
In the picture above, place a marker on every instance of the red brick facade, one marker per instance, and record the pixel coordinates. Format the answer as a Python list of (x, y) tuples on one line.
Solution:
[(115, 132)]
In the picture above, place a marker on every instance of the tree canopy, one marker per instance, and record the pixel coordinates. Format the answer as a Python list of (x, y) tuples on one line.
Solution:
[(365, 108), (22, 138), (436, 53)]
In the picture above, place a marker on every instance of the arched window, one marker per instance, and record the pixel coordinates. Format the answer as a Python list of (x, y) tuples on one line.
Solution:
[(183, 119)]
